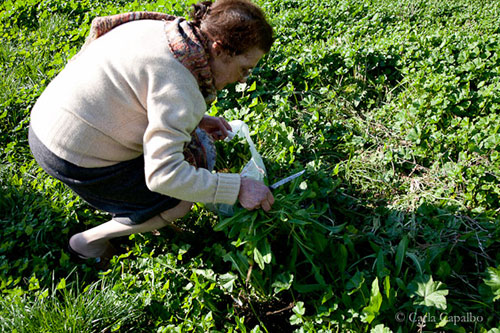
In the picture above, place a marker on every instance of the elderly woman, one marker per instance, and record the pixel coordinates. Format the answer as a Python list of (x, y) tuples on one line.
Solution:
[(114, 124)]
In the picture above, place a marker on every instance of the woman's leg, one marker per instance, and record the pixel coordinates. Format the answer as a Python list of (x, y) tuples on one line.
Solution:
[(95, 242)]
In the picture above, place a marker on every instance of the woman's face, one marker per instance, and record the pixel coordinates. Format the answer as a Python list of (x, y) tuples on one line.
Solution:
[(228, 69)]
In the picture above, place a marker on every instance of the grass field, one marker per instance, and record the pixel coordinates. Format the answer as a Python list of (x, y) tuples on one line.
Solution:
[(393, 109)]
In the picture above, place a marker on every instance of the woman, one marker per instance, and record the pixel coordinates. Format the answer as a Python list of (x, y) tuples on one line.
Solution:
[(114, 123)]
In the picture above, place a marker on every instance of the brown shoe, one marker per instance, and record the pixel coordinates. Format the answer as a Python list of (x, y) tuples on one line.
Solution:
[(101, 262)]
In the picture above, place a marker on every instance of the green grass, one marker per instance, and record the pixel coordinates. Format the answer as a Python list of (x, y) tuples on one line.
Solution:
[(392, 107), (68, 309)]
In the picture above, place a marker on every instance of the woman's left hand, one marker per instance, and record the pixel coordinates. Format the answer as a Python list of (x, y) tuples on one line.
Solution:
[(217, 127)]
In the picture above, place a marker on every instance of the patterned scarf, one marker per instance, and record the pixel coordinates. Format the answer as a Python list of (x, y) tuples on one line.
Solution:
[(187, 43)]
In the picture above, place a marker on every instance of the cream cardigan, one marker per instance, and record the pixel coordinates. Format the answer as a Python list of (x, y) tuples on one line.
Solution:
[(126, 95)]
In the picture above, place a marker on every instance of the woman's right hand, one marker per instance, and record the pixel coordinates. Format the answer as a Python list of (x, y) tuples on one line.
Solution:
[(254, 194)]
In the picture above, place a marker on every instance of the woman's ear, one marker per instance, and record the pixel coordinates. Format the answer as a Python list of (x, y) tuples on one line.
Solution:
[(217, 48)]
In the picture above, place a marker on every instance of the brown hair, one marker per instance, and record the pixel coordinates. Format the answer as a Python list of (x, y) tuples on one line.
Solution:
[(239, 25)]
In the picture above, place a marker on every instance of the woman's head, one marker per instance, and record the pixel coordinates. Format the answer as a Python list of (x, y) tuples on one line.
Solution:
[(237, 25)]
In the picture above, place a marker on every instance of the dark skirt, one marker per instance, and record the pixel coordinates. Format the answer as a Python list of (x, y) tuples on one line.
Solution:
[(119, 189)]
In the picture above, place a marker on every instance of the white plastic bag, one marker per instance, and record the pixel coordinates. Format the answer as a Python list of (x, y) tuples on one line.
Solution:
[(254, 168)]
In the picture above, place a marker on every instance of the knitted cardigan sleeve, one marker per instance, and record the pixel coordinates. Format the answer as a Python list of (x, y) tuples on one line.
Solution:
[(173, 113)]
